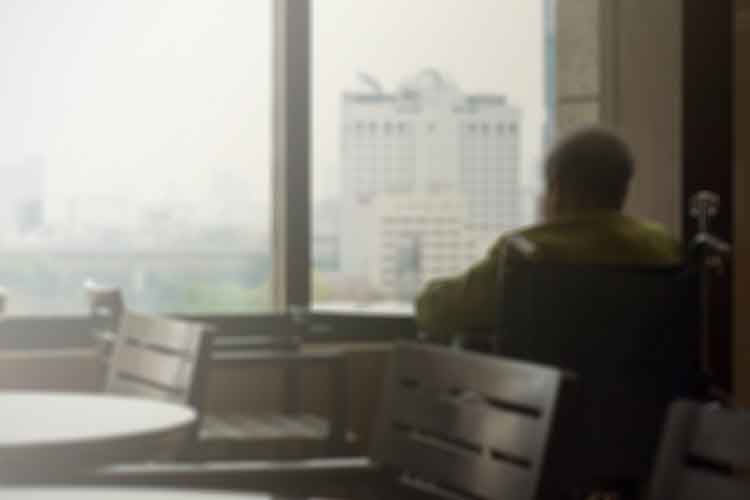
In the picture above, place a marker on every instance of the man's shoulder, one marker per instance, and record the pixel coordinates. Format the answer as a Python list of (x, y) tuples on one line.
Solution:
[(654, 238), (573, 226), (650, 228), (523, 238), (597, 237), (536, 234), (646, 230)]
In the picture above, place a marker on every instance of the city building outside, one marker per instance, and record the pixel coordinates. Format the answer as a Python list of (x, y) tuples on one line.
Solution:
[(428, 134)]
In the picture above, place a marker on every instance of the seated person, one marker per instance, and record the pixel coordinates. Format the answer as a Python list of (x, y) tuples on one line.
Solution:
[(587, 180)]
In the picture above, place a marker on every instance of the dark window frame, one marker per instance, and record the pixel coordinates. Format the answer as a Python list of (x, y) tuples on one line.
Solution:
[(290, 225)]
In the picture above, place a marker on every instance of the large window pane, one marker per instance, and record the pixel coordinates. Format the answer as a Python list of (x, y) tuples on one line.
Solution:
[(134, 151), (430, 122)]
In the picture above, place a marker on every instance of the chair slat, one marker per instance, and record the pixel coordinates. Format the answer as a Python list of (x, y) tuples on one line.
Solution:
[(469, 420), (723, 437), (704, 453), (166, 370), (476, 423), (120, 385), (165, 333), (464, 472), (154, 356), (514, 382), (702, 485)]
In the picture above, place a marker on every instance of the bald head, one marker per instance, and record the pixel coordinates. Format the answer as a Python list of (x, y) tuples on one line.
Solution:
[(588, 170)]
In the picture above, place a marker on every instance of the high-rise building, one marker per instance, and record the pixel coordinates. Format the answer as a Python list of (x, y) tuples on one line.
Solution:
[(326, 235), (426, 138), (417, 238)]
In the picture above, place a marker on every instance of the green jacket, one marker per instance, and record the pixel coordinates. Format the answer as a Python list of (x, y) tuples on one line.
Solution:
[(469, 302)]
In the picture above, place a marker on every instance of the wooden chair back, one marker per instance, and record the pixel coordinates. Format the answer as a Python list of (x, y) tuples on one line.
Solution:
[(629, 334), (459, 423), (704, 453), (601, 322), (160, 358), (106, 304)]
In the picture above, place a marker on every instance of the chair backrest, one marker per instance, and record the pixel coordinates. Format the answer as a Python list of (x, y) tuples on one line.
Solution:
[(462, 423), (639, 326), (704, 453), (106, 304), (631, 336), (160, 358)]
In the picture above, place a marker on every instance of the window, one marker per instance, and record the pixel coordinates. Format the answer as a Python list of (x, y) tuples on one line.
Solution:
[(385, 62), (135, 152), (137, 135)]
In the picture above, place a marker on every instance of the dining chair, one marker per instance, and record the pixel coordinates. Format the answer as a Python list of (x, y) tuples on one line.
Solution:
[(631, 335), (160, 358), (105, 302), (290, 431), (106, 305), (451, 424), (636, 324), (704, 453)]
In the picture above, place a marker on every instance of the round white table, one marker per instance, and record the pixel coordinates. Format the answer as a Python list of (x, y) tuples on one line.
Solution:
[(56, 435), (120, 494)]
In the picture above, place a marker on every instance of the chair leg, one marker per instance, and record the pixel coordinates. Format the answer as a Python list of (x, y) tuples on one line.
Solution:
[(339, 422)]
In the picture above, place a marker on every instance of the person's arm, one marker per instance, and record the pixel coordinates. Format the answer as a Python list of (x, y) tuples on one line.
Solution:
[(465, 303)]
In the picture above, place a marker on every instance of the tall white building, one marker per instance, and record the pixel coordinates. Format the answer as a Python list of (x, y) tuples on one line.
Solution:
[(419, 237), (427, 138)]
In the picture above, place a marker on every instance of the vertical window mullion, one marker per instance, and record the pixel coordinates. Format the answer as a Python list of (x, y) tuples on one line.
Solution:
[(291, 146)]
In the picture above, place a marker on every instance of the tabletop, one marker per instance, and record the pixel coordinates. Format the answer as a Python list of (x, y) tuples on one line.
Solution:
[(50, 434), (120, 494)]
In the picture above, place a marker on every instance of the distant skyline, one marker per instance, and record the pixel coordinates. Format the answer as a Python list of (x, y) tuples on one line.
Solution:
[(152, 96), (486, 46), (142, 97), (168, 103)]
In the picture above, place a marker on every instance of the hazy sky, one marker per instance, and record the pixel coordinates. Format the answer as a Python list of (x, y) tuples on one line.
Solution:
[(151, 95), (484, 45), (156, 96)]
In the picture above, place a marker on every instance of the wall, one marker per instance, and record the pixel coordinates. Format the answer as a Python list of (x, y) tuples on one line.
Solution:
[(619, 64), (708, 156), (661, 73), (647, 102), (742, 203)]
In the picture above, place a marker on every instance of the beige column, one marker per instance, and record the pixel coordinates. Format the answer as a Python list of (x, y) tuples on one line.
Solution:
[(648, 103), (619, 64), (578, 67), (742, 202)]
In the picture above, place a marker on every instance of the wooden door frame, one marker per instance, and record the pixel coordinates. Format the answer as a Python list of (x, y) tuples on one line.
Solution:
[(708, 148), (741, 346)]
